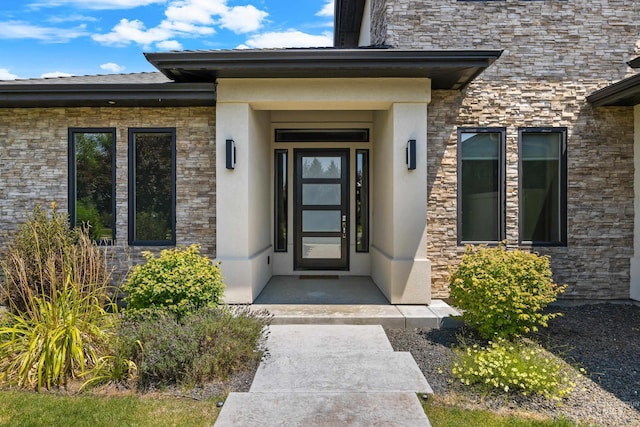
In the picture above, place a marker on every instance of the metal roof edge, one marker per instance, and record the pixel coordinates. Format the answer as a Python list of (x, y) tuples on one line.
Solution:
[(616, 93), (100, 94)]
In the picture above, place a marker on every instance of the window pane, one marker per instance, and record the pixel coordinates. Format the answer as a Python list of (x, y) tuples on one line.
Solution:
[(541, 207), (321, 194), (322, 221), (94, 189), (480, 187), (321, 167), (362, 200), (281, 205), (322, 247), (154, 186), (322, 135)]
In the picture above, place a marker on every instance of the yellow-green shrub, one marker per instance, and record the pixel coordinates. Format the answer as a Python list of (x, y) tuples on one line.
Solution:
[(503, 293), (517, 367), (178, 281)]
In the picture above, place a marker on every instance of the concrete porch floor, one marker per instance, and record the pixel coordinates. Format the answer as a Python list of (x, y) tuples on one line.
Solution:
[(352, 300)]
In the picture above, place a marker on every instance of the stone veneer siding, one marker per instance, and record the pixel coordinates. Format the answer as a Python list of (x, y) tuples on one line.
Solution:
[(34, 167), (555, 54)]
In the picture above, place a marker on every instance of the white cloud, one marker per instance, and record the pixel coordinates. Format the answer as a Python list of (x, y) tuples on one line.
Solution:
[(327, 9), (96, 4), (55, 74), (6, 75), (24, 30), (113, 67), (289, 38), (242, 19), (71, 18), (169, 45), (185, 18), (127, 31)]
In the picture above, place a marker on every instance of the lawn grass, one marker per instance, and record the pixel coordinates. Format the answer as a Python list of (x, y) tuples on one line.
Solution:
[(441, 414), (25, 409)]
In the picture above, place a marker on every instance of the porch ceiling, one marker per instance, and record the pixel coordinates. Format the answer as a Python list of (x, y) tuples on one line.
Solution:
[(623, 93), (447, 69)]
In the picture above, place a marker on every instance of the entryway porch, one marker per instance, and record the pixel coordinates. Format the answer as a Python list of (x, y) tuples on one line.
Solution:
[(347, 300)]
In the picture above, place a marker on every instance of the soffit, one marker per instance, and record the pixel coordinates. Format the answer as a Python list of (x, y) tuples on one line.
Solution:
[(447, 69)]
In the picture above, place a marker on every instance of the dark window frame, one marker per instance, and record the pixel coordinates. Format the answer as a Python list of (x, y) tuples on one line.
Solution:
[(502, 190), (72, 168), (365, 194), (563, 186), (276, 201), (132, 187)]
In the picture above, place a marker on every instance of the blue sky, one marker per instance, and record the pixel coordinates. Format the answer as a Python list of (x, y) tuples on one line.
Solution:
[(49, 38)]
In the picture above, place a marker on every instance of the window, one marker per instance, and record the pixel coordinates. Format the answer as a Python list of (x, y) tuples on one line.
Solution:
[(152, 186), (481, 185), (543, 186), (321, 135), (280, 202), (362, 200), (92, 181)]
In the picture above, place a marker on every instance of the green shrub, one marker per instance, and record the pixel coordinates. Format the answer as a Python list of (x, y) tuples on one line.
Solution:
[(43, 252), (509, 367), (56, 337), (503, 293), (210, 343), (179, 280)]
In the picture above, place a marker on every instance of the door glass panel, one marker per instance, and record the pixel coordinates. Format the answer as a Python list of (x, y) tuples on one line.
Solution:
[(321, 221), (321, 194), (322, 247), (321, 167)]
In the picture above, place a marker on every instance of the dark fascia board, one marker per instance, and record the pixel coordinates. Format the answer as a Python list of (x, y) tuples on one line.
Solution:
[(623, 93), (448, 69), (634, 63), (107, 95), (347, 22)]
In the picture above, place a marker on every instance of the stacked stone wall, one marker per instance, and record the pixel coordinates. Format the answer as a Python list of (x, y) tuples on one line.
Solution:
[(34, 167), (556, 53)]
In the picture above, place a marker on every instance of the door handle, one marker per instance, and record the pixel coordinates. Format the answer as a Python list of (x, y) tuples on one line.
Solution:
[(344, 226)]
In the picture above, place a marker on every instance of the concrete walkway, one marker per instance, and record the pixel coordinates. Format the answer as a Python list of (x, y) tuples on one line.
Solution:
[(330, 375)]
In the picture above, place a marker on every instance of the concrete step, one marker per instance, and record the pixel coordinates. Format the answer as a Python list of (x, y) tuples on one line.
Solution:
[(293, 339), (434, 316), (322, 409), (350, 372)]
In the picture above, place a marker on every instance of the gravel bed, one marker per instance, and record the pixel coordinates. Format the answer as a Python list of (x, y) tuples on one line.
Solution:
[(604, 339)]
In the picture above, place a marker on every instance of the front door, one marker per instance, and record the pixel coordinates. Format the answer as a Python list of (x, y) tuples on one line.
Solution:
[(321, 213)]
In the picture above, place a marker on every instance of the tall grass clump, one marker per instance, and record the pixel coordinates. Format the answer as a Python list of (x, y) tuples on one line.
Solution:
[(61, 322), (43, 252), (55, 337)]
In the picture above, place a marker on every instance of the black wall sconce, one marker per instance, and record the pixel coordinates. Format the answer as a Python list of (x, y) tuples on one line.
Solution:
[(231, 154), (411, 154)]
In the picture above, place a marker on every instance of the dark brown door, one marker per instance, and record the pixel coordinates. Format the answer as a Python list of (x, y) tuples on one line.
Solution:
[(321, 200)]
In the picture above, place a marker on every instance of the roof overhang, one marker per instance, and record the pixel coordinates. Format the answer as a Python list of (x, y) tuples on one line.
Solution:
[(447, 69), (634, 63), (623, 93), (105, 95)]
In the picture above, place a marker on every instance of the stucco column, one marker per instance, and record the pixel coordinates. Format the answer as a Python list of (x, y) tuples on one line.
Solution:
[(399, 265), (635, 261), (242, 201)]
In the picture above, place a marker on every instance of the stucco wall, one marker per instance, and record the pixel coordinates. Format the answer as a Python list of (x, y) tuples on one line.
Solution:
[(34, 166), (555, 54)]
